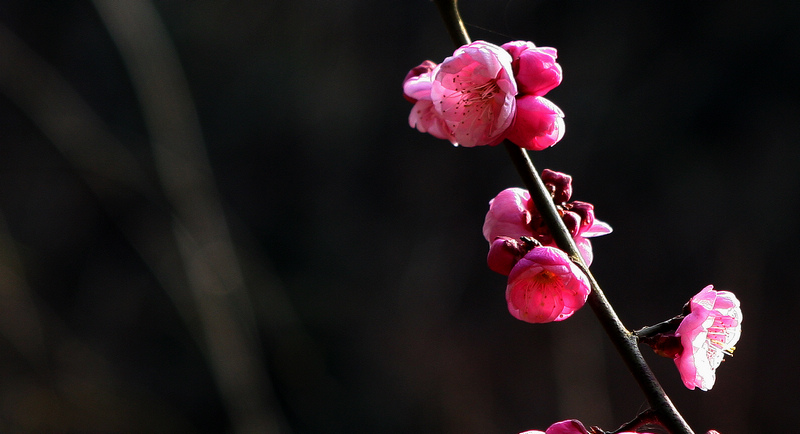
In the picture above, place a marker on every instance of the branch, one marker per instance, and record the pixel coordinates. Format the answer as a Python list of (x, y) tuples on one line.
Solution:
[(624, 341)]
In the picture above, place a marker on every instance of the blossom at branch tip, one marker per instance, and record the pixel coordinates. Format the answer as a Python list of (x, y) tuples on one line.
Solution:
[(709, 332), (545, 286), (513, 215), (484, 93), (571, 426)]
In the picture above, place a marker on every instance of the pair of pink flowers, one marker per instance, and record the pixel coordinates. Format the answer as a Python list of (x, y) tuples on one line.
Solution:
[(484, 93), (544, 285)]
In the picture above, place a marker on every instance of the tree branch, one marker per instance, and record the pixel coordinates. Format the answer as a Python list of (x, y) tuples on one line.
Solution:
[(624, 341)]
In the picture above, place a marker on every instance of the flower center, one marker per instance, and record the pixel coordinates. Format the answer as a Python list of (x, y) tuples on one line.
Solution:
[(479, 94), (718, 335), (545, 278)]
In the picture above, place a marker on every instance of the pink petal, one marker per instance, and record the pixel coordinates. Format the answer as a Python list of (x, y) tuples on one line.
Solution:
[(567, 427), (597, 229), (546, 286), (417, 84), (426, 119), (585, 249), (509, 215)]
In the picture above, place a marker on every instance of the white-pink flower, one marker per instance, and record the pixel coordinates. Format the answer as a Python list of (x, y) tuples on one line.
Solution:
[(545, 286), (473, 90), (707, 334)]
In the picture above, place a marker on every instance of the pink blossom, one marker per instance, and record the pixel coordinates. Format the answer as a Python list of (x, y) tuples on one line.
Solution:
[(426, 119), (546, 286), (571, 426), (535, 68), (707, 333), (473, 90), (484, 93), (510, 215), (539, 124), (417, 89)]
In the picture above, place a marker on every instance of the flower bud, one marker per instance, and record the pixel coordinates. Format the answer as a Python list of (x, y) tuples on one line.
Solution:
[(535, 68), (539, 124)]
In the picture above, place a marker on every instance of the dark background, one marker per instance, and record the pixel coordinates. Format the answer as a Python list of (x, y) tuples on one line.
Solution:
[(358, 299)]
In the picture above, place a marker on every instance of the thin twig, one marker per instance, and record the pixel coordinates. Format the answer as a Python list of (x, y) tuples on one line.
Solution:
[(667, 326)]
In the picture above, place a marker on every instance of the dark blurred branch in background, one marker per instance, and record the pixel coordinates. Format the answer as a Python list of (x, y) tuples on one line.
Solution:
[(199, 268), (206, 249)]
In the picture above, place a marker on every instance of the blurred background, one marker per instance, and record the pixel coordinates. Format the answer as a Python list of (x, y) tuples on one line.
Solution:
[(215, 218)]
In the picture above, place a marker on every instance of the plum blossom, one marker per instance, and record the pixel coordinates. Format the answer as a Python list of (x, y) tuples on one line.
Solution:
[(571, 426), (539, 124), (512, 215), (707, 334), (535, 68), (484, 93), (417, 89), (545, 286), (473, 91)]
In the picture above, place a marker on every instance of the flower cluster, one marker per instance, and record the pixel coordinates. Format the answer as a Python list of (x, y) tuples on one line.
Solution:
[(513, 215), (544, 285), (485, 93)]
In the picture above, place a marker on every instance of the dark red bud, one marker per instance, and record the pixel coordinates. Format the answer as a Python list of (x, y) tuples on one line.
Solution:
[(586, 212), (572, 221), (562, 185), (665, 345)]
